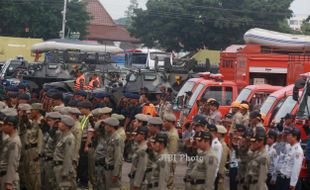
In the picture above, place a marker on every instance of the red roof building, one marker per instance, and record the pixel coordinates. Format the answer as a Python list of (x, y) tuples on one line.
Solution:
[(102, 28)]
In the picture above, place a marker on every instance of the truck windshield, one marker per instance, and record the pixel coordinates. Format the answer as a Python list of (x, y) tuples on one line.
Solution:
[(244, 94), (138, 58), (188, 86), (267, 104), (287, 107), (304, 106), (197, 91)]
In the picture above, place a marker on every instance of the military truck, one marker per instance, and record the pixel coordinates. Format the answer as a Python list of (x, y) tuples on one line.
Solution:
[(64, 57)]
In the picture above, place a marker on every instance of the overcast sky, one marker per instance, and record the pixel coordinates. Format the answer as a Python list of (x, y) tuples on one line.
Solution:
[(117, 8)]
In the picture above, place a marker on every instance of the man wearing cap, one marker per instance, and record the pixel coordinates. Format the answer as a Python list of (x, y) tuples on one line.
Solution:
[(23, 125), (23, 99), (256, 120), (52, 119), (77, 133), (242, 154), (257, 169), (273, 155), (161, 169), (57, 100), (11, 154), (102, 113), (217, 147), (80, 95), (215, 116), (172, 147), (13, 99), (282, 147), (237, 116), (103, 99), (140, 121), (244, 110), (33, 146), (3, 141), (120, 130), (293, 162), (139, 160), (87, 134), (63, 155), (222, 131), (288, 122), (114, 156), (204, 171)]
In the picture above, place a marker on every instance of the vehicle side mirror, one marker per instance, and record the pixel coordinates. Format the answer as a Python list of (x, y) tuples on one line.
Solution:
[(300, 83)]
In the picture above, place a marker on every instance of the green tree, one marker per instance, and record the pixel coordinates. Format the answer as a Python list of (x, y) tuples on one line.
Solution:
[(130, 13), (305, 27), (193, 24), (41, 18)]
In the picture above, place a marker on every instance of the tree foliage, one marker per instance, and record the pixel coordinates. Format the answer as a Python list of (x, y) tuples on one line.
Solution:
[(130, 13), (192, 24), (305, 27), (41, 18)]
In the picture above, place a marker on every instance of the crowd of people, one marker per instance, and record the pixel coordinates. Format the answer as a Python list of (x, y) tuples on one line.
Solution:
[(52, 142)]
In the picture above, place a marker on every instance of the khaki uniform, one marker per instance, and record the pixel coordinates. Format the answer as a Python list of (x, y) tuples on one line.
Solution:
[(215, 117), (246, 119), (187, 179), (257, 171), (49, 180), (172, 147), (222, 169), (11, 155), (113, 161), (151, 159), (236, 120), (244, 157), (204, 173), (63, 158), (160, 173), (165, 107), (33, 148), (121, 132), (139, 166), (77, 133), (100, 154), (3, 162)]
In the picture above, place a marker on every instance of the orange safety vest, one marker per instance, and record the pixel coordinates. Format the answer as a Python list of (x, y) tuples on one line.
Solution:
[(91, 83), (149, 110), (80, 83)]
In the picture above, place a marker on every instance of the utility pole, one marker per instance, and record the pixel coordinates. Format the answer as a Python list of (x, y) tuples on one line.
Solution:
[(64, 12)]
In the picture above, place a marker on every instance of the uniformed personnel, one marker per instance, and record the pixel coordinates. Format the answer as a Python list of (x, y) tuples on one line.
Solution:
[(172, 146), (139, 160), (63, 155), (257, 169), (114, 156), (11, 154), (203, 174)]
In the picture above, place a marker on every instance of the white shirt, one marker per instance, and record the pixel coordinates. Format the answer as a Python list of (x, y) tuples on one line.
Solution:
[(218, 148), (273, 161), (282, 156), (293, 163)]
